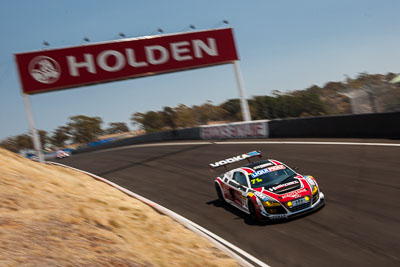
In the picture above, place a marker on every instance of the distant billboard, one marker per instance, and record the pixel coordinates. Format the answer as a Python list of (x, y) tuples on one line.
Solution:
[(54, 69), (255, 129)]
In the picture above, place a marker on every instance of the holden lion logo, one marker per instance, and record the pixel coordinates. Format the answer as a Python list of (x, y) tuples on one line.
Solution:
[(44, 69)]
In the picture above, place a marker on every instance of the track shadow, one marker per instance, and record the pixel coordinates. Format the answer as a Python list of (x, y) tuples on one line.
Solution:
[(142, 162), (240, 214), (246, 218)]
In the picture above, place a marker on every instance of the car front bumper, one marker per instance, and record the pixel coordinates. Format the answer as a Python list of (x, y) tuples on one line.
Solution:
[(314, 207)]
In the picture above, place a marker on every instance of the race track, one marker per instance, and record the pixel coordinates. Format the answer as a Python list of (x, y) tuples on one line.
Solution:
[(359, 226)]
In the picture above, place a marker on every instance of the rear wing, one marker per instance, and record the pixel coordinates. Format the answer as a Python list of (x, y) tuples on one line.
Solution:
[(227, 161)]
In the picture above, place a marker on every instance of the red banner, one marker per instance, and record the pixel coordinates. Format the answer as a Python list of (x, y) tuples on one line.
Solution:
[(55, 69)]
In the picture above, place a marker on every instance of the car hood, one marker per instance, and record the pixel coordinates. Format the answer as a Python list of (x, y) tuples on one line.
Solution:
[(296, 188)]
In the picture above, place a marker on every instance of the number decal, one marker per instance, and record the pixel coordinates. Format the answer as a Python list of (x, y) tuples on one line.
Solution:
[(253, 181)]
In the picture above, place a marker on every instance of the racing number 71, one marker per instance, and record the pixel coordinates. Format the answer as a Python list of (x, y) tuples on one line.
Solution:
[(253, 181)]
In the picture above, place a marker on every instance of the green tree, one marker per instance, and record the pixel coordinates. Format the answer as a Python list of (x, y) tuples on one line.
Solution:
[(208, 112), (84, 129), (137, 119), (232, 109), (271, 106), (44, 139), (24, 141), (150, 121), (60, 136), (117, 127), (19, 142), (169, 117), (184, 116), (11, 144)]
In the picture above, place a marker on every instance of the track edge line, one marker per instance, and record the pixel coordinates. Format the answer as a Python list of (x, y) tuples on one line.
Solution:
[(218, 241)]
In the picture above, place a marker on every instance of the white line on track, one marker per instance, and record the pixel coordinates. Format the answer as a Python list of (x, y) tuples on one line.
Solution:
[(310, 143), (255, 142)]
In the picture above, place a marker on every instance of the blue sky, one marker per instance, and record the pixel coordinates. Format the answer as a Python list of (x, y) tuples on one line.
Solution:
[(284, 45)]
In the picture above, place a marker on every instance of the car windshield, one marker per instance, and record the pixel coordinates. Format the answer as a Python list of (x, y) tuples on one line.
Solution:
[(270, 176)]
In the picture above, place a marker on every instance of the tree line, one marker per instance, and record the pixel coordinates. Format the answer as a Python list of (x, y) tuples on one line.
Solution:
[(296, 104), (329, 99), (79, 129)]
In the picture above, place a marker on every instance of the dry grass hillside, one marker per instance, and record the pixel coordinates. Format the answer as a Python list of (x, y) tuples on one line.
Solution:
[(53, 216)]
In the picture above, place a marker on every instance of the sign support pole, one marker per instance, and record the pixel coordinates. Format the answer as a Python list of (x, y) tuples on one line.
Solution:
[(34, 133), (243, 101)]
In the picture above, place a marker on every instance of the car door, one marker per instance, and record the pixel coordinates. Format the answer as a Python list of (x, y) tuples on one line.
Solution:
[(239, 187)]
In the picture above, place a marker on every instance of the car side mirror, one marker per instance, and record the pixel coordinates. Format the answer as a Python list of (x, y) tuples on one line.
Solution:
[(296, 169)]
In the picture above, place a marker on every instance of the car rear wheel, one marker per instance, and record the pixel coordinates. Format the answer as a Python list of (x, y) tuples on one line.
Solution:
[(219, 193)]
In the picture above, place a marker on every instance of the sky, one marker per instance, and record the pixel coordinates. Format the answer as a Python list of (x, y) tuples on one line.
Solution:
[(283, 45)]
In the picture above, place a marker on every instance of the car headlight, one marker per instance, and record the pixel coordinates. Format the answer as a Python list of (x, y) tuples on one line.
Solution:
[(271, 203), (315, 190), (310, 180)]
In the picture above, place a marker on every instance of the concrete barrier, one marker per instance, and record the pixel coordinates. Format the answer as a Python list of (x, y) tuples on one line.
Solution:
[(374, 125), (173, 135)]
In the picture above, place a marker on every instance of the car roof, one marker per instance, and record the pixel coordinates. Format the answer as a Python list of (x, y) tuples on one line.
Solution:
[(254, 164), (250, 165)]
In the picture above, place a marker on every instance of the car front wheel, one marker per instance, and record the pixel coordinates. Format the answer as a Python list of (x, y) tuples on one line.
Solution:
[(219, 193), (252, 210)]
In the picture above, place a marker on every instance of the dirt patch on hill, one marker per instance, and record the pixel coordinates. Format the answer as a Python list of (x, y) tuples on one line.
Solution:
[(53, 216)]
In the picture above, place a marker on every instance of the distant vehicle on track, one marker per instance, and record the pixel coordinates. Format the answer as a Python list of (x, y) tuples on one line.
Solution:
[(267, 189), (31, 156), (60, 154)]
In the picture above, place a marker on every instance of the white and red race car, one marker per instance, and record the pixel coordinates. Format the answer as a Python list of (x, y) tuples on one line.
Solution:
[(267, 189), (60, 154)]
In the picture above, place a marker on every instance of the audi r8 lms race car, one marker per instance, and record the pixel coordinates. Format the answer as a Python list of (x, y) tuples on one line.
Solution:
[(267, 189)]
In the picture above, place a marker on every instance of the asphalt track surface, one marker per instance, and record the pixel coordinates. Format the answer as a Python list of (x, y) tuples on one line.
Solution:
[(359, 225)]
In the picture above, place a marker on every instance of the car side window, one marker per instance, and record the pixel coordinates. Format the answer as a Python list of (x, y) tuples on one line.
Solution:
[(240, 178)]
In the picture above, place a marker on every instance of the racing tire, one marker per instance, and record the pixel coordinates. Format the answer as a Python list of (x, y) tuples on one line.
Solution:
[(219, 193), (252, 210)]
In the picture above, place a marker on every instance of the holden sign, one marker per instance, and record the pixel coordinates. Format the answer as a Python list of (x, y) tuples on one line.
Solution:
[(62, 68), (55, 69), (44, 69)]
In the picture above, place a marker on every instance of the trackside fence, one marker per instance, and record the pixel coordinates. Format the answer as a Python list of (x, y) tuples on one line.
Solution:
[(374, 125), (173, 135)]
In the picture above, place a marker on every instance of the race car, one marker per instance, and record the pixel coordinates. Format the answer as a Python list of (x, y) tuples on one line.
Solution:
[(60, 154), (267, 189)]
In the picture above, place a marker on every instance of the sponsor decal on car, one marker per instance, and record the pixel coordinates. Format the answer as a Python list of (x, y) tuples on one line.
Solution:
[(266, 170), (262, 166), (235, 159), (282, 185), (294, 194)]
